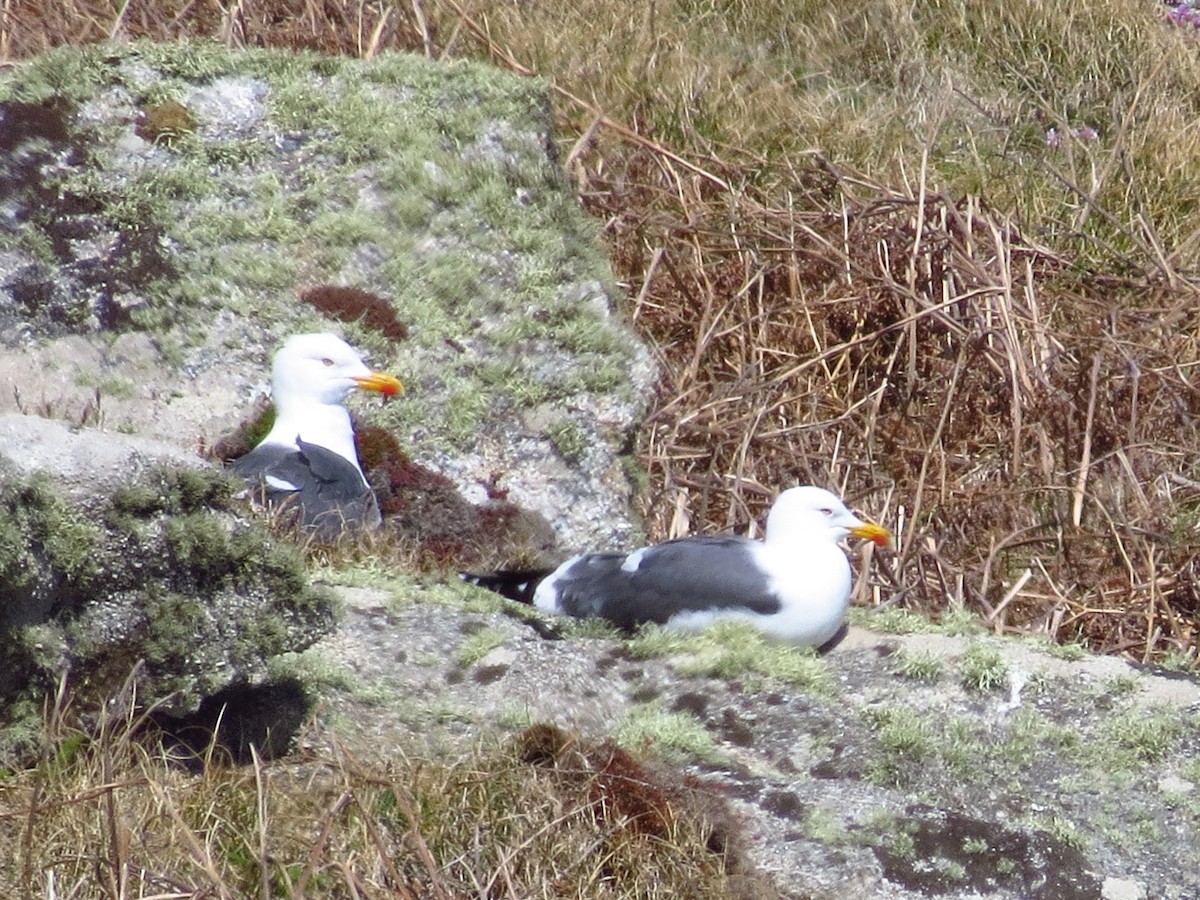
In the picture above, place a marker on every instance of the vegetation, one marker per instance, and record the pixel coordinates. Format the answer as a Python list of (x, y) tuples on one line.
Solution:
[(120, 820), (731, 649), (983, 668), (942, 257), (149, 585), (917, 665)]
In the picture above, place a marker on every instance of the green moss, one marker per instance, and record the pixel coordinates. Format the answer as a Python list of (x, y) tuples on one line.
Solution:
[(167, 122), (591, 628), (903, 845), (464, 412), (162, 576), (1122, 685), (1068, 650), (468, 218), (173, 623), (174, 490), (1181, 661), (1028, 735), (1061, 829), (41, 539), (826, 827), (186, 60), (135, 500), (569, 439), (916, 665), (903, 740), (960, 621), (312, 668), (234, 154), (676, 737), (199, 550), (61, 72), (479, 644), (894, 620), (1138, 736)]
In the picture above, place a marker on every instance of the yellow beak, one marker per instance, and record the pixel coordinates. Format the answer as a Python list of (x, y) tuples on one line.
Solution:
[(378, 381), (875, 533)]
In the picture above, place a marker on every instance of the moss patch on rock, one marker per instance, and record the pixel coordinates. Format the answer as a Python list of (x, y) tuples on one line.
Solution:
[(165, 579)]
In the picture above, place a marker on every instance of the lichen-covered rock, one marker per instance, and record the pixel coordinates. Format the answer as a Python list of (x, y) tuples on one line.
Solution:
[(119, 555), (898, 766), (170, 212)]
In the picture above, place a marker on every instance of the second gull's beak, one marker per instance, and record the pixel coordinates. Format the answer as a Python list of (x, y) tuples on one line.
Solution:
[(877, 534)]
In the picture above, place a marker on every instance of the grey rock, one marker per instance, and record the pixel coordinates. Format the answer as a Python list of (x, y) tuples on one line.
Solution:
[(874, 785), (85, 464), (150, 270), (162, 209)]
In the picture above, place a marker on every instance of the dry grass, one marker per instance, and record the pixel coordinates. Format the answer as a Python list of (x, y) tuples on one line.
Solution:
[(863, 261), (104, 815), (981, 329)]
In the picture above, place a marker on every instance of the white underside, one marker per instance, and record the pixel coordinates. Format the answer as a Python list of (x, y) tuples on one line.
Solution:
[(545, 595), (278, 484), (810, 577), (813, 588)]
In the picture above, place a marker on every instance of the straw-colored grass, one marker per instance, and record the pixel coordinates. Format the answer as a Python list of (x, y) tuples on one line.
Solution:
[(941, 257), (105, 815)]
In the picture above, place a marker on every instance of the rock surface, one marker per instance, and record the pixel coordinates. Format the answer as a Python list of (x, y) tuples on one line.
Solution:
[(87, 464), (163, 211), (169, 213), (906, 765)]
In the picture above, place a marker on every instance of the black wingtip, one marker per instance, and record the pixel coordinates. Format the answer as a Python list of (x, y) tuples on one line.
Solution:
[(515, 584)]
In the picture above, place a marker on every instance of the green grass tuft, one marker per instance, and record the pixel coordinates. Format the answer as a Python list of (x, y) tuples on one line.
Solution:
[(731, 649), (916, 665), (672, 736), (982, 668)]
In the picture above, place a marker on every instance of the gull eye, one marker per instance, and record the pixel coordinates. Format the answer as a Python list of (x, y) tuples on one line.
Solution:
[(828, 513), (327, 362)]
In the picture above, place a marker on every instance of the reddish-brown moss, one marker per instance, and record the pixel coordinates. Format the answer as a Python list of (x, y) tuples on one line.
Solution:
[(636, 799), (351, 304)]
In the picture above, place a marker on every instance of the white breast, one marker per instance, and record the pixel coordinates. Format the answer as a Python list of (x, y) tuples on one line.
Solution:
[(813, 588)]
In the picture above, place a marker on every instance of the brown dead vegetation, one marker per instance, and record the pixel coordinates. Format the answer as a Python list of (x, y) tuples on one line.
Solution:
[(1031, 440), (106, 814), (1027, 425)]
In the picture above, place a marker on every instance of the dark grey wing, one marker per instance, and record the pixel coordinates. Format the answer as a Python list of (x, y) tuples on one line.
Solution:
[(698, 573), (328, 490)]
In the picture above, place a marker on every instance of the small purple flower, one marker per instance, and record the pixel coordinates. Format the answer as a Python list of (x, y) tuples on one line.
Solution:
[(1052, 138), (1184, 13)]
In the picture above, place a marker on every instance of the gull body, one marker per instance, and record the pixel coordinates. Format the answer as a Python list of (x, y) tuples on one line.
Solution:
[(793, 585), (307, 462)]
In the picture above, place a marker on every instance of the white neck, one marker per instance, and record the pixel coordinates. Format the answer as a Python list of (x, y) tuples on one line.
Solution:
[(326, 425)]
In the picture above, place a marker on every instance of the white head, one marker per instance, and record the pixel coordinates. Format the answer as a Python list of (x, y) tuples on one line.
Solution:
[(311, 376), (321, 369), (809, 512)]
